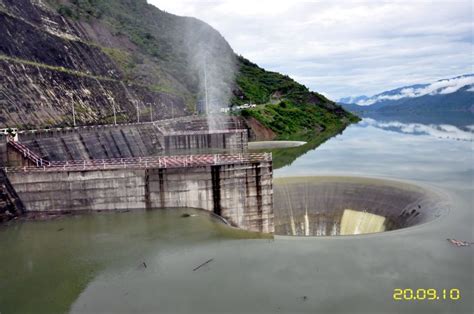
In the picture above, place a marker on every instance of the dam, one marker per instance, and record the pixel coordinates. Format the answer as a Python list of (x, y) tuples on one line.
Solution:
[(188, 135), (122, 167)]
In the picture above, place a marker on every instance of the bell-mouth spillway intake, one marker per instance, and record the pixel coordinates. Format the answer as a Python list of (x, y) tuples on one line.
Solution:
[(330, 206)]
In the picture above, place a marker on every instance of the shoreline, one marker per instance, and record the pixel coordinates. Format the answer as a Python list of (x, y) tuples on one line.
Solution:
[(275, 144)]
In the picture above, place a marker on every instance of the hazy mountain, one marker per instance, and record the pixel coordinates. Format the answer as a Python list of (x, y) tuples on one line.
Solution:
[(453, 94)]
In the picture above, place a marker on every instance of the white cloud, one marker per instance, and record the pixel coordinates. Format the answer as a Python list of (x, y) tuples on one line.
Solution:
[(434, 130), (253, 8), (446, 86), (343, 48)]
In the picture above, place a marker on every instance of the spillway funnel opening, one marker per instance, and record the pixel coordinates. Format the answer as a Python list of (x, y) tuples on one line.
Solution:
[(332, 206)]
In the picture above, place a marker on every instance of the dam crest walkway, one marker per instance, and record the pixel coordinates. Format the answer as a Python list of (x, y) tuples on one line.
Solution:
[(178, 161)]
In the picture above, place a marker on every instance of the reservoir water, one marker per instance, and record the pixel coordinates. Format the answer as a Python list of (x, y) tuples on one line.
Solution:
[(151, 261)]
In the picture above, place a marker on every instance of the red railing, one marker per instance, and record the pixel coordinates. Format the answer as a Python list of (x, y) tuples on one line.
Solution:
[(181, 161), (198, 132), (27, 153)]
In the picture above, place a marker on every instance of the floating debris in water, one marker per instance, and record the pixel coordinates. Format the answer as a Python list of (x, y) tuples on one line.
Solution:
[(60, 229), (206, 262), (185, 215), (459, 243)]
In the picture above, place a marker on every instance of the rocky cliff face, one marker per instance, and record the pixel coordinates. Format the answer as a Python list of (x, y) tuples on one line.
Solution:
[(97, 57), (49, 63)]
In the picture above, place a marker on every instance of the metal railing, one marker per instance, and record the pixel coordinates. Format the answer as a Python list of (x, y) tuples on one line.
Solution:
[(180, 161), (203, 132), (27, 153)]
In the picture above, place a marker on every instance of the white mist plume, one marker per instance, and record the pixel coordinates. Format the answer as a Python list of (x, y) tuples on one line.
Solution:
[(213, 63), (446, 86)]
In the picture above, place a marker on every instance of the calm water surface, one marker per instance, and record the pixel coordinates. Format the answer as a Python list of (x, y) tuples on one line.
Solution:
[(144, 261)]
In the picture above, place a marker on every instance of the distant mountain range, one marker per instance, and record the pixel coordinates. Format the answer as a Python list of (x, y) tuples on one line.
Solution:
[(448, 95)]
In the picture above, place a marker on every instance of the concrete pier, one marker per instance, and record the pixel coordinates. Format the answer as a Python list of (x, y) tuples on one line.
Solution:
[(238, 188), (10, 203), (161, 164)]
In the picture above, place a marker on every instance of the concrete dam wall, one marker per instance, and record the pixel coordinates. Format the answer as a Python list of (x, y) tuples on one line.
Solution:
[(241, 192), (128, 166), (129, 140), (10, 203), (322, 205)]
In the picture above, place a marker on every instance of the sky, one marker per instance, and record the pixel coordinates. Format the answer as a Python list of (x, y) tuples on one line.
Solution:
[(345, 48)]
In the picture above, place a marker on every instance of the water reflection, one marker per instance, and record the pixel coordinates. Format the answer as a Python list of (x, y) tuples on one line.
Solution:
[(427, 127), (458, 119), (392, 149), (439, 131)]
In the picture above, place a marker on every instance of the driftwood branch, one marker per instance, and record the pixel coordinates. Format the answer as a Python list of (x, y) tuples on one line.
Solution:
[(206, 262)]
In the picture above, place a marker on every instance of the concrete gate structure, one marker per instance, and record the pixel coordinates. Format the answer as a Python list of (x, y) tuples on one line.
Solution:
[(235, 186)]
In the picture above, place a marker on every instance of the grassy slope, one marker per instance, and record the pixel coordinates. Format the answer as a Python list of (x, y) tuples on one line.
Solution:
[(258, 85), (288, 108)]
